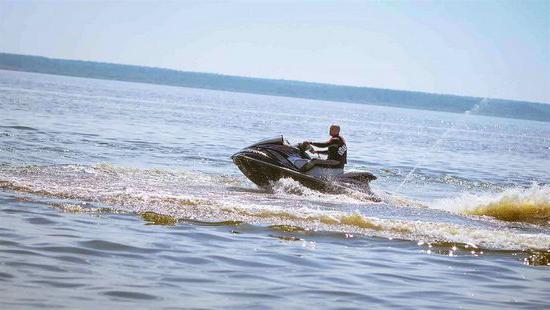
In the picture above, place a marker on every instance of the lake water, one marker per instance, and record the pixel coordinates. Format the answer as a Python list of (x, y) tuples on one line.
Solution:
[(123, 194)]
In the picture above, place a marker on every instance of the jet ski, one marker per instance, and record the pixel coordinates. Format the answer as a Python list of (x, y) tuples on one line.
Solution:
[(272, 159)]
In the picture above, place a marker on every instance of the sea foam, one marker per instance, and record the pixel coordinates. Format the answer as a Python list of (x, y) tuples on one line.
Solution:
[(531, 205)]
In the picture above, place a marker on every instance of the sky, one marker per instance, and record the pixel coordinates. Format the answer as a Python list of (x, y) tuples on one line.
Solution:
[(495, 49)]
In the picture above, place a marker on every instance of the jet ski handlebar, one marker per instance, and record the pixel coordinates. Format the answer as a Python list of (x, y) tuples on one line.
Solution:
[(306, 147)]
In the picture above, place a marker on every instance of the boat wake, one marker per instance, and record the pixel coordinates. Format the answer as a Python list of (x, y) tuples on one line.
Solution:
[(183, 195)]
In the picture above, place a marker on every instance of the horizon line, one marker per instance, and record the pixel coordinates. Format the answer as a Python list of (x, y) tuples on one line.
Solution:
[(279, 79)]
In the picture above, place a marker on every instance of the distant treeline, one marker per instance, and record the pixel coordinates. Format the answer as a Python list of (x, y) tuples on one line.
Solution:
[(366, 95)]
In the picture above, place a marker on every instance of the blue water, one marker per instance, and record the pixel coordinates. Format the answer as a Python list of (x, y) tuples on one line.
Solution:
[(116, 193)]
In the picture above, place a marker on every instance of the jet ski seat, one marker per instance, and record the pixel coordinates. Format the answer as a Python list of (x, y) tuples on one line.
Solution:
[(322, 167)]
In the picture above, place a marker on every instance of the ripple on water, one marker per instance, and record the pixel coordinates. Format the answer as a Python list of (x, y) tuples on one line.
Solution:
[(4, 276), (40, 221), (58, 284), (130, 295), (44, 267), (104, 245)]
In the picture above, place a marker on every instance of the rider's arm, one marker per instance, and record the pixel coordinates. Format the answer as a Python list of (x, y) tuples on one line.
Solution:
[(324, 144)]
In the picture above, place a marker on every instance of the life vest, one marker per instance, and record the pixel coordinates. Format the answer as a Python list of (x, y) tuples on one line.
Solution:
[(337, 150)]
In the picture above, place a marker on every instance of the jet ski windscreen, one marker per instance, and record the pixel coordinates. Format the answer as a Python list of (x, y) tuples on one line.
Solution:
[(275, 140)]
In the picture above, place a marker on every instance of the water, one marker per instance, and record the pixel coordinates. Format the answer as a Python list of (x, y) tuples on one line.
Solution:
[(117, 193)]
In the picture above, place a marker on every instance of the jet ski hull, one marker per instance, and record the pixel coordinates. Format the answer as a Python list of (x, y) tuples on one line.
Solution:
[(264, 174), (273, 159)]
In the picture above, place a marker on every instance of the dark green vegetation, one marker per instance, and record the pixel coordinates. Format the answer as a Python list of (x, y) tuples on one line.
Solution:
[(318, 91)]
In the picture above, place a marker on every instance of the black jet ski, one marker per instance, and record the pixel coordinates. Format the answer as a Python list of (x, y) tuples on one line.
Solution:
[(272, 159)]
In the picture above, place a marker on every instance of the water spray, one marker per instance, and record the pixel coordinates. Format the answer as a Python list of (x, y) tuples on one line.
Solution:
[(475, 109)]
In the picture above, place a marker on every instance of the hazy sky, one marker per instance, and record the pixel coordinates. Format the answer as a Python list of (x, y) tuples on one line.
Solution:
[(498, 49)]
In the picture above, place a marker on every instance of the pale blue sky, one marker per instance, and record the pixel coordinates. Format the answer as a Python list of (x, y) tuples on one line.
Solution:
[(498, 49)]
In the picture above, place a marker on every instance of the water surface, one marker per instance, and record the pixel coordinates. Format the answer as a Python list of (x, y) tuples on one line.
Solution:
[(115, 192)]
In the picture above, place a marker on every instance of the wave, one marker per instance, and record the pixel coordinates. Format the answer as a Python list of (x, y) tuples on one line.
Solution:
[(166, 196), (287, 186), (529, 205)]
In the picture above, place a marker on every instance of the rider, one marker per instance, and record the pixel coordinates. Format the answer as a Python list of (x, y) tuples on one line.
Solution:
[(337, 151)]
